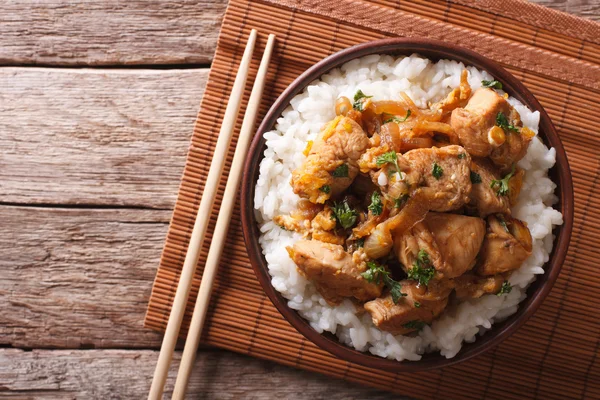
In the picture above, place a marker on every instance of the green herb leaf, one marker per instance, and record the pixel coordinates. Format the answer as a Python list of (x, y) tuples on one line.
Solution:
[(378, 274), (283, 227), (374, 273), (399, 202), (341, 171), (358, 100), (387, 158), (501, 186), (491, 84), (360, 242), (475, 178), (502, 122), (345, 215), (416, 324), (505, 289), (396, 119), (461, 156), (325, 189), (376, 206), (395, 289), (421, 271), (417, 304), (437, 171)]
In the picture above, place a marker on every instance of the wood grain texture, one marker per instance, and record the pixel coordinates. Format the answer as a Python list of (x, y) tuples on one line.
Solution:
[(126, 374), (78, 278), (109, 32), (102, 137), (74, 278), (154, 32), (583, 8)]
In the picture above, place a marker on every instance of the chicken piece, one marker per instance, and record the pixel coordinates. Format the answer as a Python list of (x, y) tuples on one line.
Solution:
[(477, 128), (469, 286), (474, 124), (320, 226), (336, 273), (420, 306), (445, 172), (331, 164), (483, 196), (323, 228), (451, 242), (514, 148), (506, 245)]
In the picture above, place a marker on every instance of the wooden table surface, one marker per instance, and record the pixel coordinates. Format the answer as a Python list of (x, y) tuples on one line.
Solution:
[(96, 111)]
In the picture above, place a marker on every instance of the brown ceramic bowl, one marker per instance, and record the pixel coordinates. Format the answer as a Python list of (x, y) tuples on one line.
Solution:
[(560, 174)]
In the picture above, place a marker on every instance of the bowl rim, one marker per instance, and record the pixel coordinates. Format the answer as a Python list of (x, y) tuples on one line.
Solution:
[(560, 174)]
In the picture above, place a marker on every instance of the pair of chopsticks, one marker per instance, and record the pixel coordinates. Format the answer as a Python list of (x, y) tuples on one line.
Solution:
[(202, 218)]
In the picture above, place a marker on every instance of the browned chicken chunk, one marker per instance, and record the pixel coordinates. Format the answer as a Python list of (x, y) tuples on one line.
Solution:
[(445, 172), (514, 148), (451, 241), (478, 130), (420, 306), (506, 245), (331, 164), (469, 286), (475, 123), (336, 273), (483, 197)]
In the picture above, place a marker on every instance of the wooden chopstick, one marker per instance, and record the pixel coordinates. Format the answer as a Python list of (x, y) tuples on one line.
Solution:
[(220, 232), (202, 218)]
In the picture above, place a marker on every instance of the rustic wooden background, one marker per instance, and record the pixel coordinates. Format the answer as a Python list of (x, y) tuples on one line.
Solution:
[(96, 111)]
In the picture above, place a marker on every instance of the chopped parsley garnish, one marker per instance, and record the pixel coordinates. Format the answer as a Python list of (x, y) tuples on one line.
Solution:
[(341, 171), (377, 274), (421, 271), (417, 304), (502, 122), (475, 177), (460, 156), (325, 189), (344, 214), (491, 84), (360, 242), (505, 289), (376, 206), (358, 102), (388, 158), (501, 186), (437, 171), (400, 200), (283, 227), (396, 119), (416, 324)]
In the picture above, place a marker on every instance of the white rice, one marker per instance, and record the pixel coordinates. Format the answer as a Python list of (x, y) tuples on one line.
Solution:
[(384, 77)]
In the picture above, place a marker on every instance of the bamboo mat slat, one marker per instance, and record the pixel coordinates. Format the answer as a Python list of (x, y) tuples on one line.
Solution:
[(557, 56)]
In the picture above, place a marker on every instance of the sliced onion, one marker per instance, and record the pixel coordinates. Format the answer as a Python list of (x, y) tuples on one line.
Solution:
[(380, 242), (416, 143), (390, 134), (389, 107)]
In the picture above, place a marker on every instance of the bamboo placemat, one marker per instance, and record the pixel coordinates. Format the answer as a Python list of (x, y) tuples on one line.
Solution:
[(556, 55)]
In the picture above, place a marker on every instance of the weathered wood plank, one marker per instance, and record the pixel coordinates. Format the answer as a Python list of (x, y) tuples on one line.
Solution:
[(109, 32), (582, 8), (78, 278), (102, 137), (123, 374), (82, 32)]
